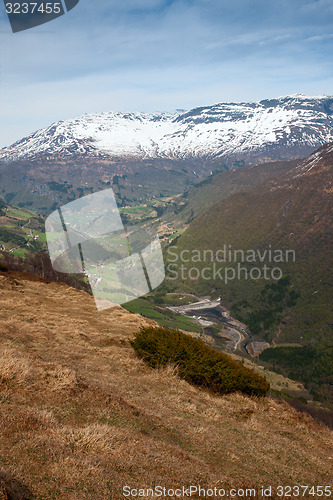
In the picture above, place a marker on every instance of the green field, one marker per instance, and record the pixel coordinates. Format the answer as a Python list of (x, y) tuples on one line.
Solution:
[(162, 316), (18, 227), (178, 299)]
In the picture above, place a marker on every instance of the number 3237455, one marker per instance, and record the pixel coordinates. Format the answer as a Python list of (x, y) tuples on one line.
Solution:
[(33, 7)]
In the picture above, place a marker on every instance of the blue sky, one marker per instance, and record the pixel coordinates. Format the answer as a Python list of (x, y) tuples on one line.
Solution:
[(159, 55)]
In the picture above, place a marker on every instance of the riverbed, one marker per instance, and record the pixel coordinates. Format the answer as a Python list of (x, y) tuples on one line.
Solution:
[(217, 322)]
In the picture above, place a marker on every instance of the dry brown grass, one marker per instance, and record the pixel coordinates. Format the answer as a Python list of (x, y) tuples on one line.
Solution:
[(81, 416)]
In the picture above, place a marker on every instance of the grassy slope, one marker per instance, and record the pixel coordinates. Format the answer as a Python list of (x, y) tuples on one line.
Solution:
[(82, 415)]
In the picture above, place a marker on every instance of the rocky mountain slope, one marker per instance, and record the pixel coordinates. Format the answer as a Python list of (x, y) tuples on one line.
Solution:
[(82, 416), (282, 128)]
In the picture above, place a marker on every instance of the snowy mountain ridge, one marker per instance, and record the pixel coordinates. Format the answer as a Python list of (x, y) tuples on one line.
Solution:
[(279, 128)]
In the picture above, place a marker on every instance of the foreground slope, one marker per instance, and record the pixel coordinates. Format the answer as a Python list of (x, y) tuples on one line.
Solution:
[(82, 416)]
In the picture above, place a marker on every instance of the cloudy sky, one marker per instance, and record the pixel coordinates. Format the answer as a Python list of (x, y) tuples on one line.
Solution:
[(159, 55)]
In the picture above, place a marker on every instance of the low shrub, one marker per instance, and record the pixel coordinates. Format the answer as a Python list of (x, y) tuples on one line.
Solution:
[(3, 268), (197, 363)]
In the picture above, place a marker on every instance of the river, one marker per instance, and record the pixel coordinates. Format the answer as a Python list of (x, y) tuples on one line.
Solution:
[(217, 322)]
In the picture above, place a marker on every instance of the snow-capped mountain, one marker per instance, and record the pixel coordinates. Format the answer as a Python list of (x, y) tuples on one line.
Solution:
[(286, 127)]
